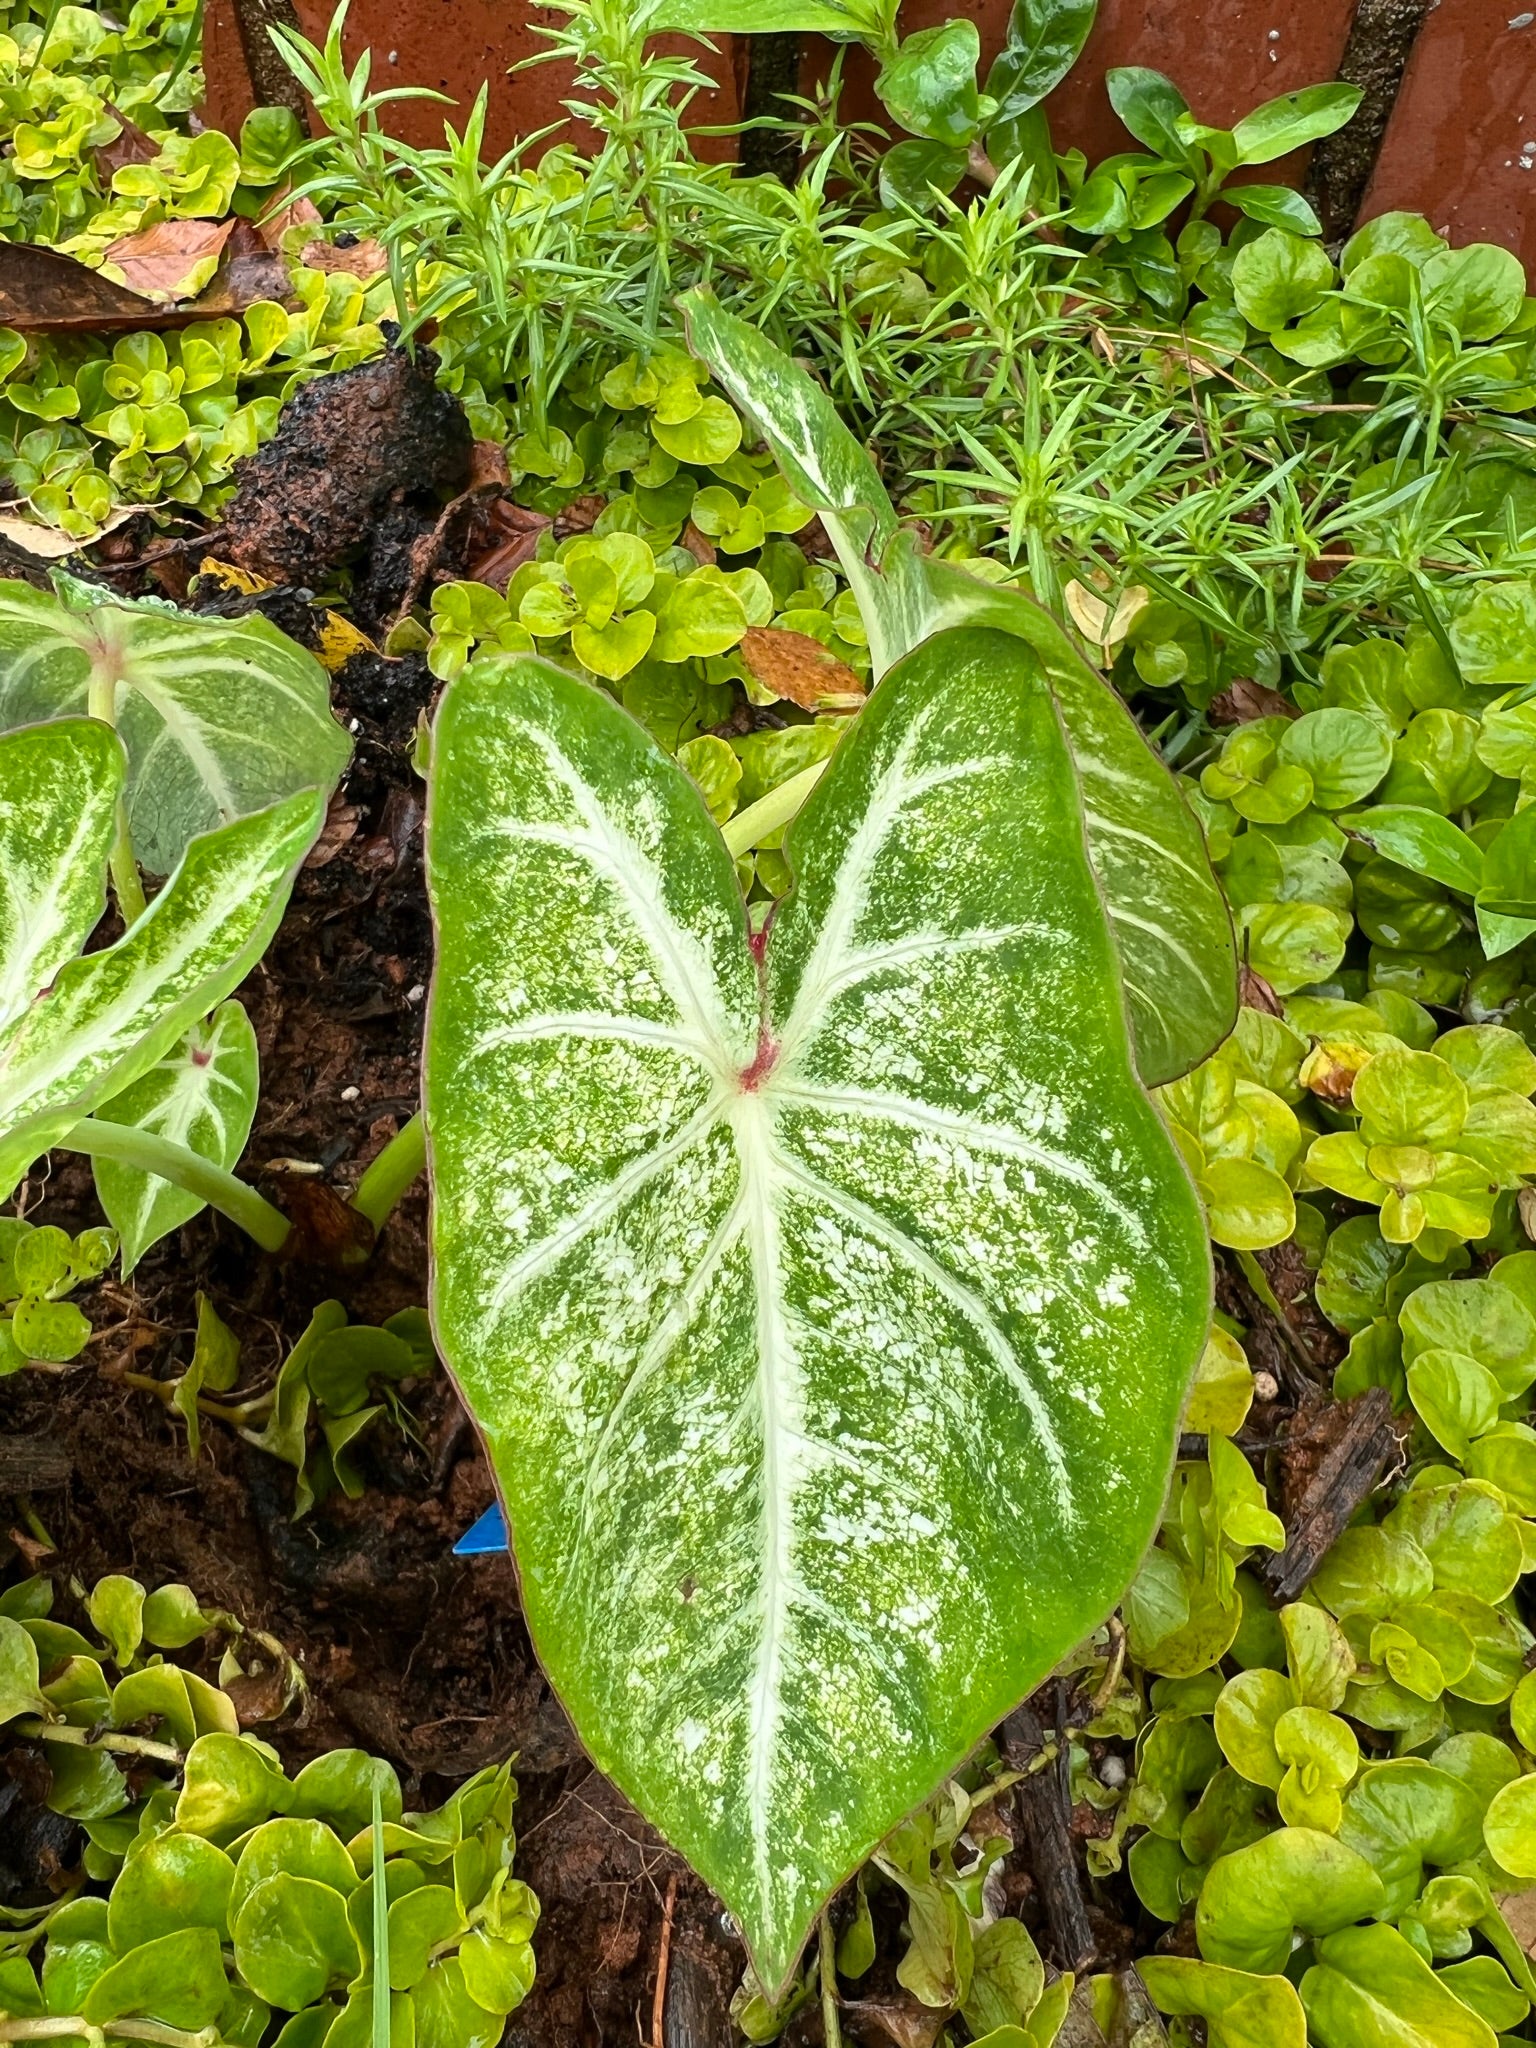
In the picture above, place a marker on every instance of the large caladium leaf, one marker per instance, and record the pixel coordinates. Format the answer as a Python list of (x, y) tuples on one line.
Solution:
[(221, 717), (200, 1094), (828, 1317), (1171, 922), (78, 1030)]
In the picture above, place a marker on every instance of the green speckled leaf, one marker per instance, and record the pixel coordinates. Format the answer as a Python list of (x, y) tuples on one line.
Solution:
[(829, 1329), (201, 1094), (59, 785), (1170, 920), (221, 717), (109, 1016)]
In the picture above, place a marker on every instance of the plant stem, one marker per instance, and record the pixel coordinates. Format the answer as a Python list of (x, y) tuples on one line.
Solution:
[(101, 702), (236, 1414), (81, 1738), (770, 813), (403, 1158), (53, 2028), (831, 2024), (180, 1165), (981, 166)]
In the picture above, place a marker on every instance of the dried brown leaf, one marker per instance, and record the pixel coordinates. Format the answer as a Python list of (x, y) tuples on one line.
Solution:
[(1247, 700), (130, 145), (698, 544), (297, 213), (362, 259), (1256, 994), (44, 292), (161, 262), (800, 670)]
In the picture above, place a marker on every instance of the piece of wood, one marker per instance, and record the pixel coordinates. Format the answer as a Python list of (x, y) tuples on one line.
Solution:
[(659, 2001), (33, 1464), (1345, 1475), (699, 1985), (1044, 1800)]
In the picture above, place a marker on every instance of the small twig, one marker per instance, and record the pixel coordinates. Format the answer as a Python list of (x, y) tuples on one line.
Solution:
[(1111, 1678), (28, 1462), (82, 1738), (831, 2025), (1347, 1474), (663, 1961)]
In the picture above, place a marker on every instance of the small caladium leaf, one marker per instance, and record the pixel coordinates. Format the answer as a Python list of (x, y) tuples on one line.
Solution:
[(109, 1016), (201, 1094), (221, 717), (1171, 923), (828, 1322)]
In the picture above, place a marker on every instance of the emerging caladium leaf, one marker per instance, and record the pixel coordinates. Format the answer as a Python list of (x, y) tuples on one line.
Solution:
[(75, 1031), (828, 1315), (1171, 922), (201, 1094), (221, 717)]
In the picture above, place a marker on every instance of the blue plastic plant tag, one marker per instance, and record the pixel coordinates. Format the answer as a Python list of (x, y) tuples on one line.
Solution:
[(486, 1535)]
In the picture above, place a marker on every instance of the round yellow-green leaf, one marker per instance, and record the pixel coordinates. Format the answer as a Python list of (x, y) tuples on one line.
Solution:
[(1248, 1206), (293, 1941), (710, 435), (1509, 1828)]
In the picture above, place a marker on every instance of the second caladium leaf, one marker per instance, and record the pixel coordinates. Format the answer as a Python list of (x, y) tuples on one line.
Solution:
[(79, 1029), (1170, 922), (220, 717), (827, 1314), (201, 1094)]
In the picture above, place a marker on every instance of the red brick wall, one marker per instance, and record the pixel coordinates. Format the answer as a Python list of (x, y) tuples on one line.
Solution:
[(1460, 145)]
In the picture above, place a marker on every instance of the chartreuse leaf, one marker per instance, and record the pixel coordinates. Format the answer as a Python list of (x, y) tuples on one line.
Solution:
[(1170, 922), (177, 1978), (1240, 2010), (220, 717), (201, 1094), (830, 1338), (172, 1880), (1370, 1988), (1257, 1898), (111, 1015)]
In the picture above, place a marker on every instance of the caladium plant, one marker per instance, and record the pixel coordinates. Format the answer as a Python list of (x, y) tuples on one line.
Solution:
[(1171, 924), (201, 1094), (827, 1299), (220, 717), (77, 1030)]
